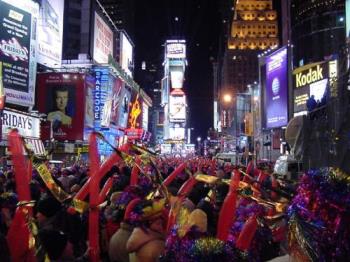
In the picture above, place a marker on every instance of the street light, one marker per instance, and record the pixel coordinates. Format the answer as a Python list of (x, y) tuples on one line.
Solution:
[(227, 98), (199, 139)]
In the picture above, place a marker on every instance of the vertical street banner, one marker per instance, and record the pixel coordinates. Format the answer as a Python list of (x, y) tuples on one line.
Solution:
[(18, 50)]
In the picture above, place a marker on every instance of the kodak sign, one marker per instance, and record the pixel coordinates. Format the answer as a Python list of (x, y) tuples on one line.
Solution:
[(308, 77)]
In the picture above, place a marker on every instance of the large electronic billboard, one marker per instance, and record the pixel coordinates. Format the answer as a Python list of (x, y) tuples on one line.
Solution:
[(276, 92), (103, 40), (50, 33), (176, 49), (18, 50), (177, 108), (126, 54)]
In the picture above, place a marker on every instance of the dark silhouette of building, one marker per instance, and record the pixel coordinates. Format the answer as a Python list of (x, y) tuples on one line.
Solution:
[(318, 29)]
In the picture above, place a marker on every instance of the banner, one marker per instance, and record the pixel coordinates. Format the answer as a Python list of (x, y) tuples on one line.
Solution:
[(276, 95), (117, 101), (18, 50), (50, 33), (124, 107), (103, 41), (90, 83), (61, 96)]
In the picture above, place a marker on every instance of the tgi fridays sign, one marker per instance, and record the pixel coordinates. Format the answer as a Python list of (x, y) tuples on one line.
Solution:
[(27, 126)]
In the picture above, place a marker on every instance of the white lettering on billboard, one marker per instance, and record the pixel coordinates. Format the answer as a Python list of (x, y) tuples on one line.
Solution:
[(50, 33), (18, 51), (103, 41)]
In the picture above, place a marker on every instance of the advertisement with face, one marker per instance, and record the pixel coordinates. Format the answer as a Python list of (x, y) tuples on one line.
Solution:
[(103, 41), (124, 107), (276, 96), (18, 50), (117, 100), (50, 33), (90, 83), (177, 108), (135, 112), (61, 96), (126, 54)]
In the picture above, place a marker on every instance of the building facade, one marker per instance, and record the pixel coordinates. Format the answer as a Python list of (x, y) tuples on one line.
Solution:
[(321, 24)]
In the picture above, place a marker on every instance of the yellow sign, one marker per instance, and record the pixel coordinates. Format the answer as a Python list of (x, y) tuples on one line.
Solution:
[(248, 124)]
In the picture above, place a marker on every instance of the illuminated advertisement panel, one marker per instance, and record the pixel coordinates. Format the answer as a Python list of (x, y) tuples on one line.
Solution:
[(313, 80), (135, 113), (177, 133), (177, 77), (18, 50), (90, 83), (145, 110), (126, 54), (50, 33), (175, 50), (101, 115), (117, 101), (124, 107), (103, 41), (177, 108), (276, 95), (61, 97)]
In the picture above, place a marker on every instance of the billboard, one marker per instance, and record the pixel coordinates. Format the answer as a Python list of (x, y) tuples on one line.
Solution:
[(135, 115), (177, 77), (126, 54), (90, 83), (276, 92), (50, 33), (145, 110), (103, 41), (117, 100), (177, 133), (18, 50), (176, 49), (124, 107), (314, 80), (61, 96), (102, 92), (177, 108)]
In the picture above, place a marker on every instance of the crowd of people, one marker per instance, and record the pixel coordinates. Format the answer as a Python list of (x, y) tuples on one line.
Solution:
[(157, 208)]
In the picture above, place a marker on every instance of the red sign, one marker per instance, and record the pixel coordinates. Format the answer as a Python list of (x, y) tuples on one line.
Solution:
[(61, 97)]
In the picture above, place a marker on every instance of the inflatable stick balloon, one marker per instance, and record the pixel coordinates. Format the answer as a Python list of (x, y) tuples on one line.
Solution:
[(19, 237), (228, 209), (135, 172), (247, 234), (107, 186), (187, 186), (174, 174), (94, 200)]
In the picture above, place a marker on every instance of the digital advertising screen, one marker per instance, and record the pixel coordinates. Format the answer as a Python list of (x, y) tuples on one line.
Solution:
[(314, 80), (103, 40), (50, 33), (117, 100), (124, 107), (177, 133), (102, 97), (90, 83), (126, 54), (145, 111), (176, 49), (18, 50), (61, 97), (176, 77), (276, 92), (135, 112), (177, 108)]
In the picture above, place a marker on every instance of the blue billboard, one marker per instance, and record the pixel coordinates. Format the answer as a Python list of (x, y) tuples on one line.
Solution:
[(276, 93)]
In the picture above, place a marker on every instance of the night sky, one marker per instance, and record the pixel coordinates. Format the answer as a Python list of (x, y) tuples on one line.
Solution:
[(196, 21)]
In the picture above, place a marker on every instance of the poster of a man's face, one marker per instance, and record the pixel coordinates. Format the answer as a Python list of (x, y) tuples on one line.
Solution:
[(62, 109), (62, 98)]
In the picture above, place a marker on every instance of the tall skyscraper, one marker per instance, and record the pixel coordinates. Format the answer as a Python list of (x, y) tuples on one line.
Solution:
[(254, 29)]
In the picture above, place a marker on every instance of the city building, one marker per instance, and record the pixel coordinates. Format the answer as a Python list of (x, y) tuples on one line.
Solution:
[(253, 30), (320, 24)]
